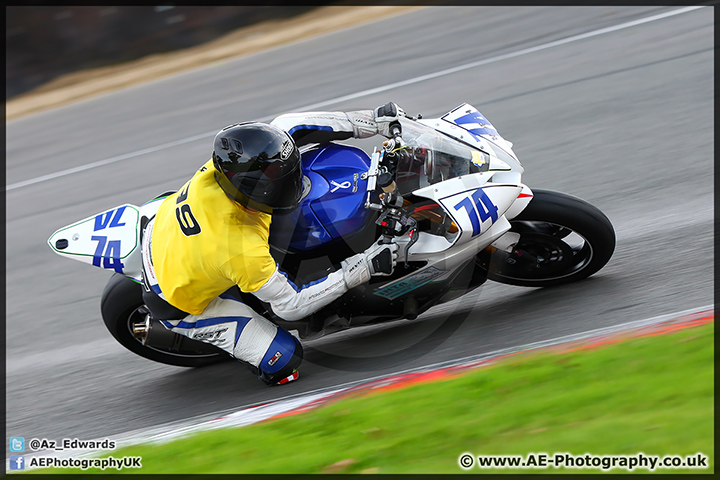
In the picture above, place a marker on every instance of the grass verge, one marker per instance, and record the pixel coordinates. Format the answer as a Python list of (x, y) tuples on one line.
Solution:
[(652, 395)]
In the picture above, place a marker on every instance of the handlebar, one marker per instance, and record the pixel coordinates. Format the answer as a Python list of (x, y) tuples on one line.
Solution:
[(395, 141), (383, 166), (393, 220), (396, 130)]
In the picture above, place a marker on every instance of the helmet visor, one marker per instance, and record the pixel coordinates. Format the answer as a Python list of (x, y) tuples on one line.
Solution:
[(271, 190)]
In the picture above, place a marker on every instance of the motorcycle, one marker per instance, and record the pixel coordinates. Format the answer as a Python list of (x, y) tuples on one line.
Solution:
[(447, 190)]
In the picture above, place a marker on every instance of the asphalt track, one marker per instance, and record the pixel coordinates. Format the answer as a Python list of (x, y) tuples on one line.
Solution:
[(623, 119)]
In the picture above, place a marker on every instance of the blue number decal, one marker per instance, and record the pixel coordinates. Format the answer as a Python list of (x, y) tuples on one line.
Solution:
[(102, 221), (482, 205), (111, 257), (468, 206), (100, 248), (116, 218)]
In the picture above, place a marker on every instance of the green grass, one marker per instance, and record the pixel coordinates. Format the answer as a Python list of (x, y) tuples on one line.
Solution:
[(652, 395)]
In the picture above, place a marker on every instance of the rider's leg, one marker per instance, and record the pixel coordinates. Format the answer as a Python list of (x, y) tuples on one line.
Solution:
[(236, 328), (272, 352)]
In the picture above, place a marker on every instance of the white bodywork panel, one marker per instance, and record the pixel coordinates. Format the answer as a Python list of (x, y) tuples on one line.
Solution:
[(109, 239)]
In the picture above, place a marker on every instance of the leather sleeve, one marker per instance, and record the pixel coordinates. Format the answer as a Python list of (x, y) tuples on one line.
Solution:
[(294, 303), (322, 127)]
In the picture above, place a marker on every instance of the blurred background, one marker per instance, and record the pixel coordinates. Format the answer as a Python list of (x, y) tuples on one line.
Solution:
[(45, 42)]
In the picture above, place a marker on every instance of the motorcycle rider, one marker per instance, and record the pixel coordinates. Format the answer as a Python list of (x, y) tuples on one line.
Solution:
[(213, 234)]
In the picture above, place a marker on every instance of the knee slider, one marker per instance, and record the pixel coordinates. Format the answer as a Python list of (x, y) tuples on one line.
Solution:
[(281, 359)]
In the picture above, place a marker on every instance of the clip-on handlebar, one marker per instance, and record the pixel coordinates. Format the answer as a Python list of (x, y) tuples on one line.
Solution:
[(394, 220)]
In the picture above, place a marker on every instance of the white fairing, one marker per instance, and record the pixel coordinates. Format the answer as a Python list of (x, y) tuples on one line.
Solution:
[(472, 202), (476, 202), (109, 239), (519, 205), (479, 204), (467, 124)]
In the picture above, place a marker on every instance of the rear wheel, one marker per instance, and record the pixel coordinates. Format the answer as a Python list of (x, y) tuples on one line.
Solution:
[(124, 314), (562, 239)]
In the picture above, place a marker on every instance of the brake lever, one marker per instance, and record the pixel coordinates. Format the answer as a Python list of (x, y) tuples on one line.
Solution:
[(413, 233)]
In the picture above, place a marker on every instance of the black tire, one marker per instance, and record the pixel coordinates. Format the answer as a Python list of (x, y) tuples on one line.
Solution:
[(122, 305), (562, 239)]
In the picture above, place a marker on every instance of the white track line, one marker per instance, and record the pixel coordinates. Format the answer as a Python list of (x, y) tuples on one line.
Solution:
[(248, 415), (363, 93), (107, 161)]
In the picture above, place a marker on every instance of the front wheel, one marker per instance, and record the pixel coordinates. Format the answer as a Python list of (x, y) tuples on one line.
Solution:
[(562, 239), (124, 314)]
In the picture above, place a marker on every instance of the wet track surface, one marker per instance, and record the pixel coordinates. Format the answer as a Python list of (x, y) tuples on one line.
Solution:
[(623, 120)]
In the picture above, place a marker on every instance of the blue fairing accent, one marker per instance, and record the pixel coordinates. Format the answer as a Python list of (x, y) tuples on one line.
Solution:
[(284, 343), (335, 206), (483, 131), (477, 117)]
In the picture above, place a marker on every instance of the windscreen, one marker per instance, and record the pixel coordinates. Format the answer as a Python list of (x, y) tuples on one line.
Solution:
[(430, 157)]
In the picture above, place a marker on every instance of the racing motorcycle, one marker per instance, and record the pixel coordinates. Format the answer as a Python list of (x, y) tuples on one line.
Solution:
[(447, 190)]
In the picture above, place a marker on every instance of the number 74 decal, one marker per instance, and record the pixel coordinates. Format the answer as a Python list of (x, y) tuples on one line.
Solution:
[(479, 208), (111, 257)]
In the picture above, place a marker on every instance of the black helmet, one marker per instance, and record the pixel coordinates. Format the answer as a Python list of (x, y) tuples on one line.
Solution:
[(258, 166)]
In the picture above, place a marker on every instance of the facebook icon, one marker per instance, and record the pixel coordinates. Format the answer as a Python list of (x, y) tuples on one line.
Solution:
[(17, 462)]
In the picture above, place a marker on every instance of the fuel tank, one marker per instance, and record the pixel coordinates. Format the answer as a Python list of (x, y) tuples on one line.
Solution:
[(333, 208)]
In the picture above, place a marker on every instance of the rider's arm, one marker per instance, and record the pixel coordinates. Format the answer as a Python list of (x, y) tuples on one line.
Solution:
[(322, 127), (253, 269), (294, 303), (291, 302)]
